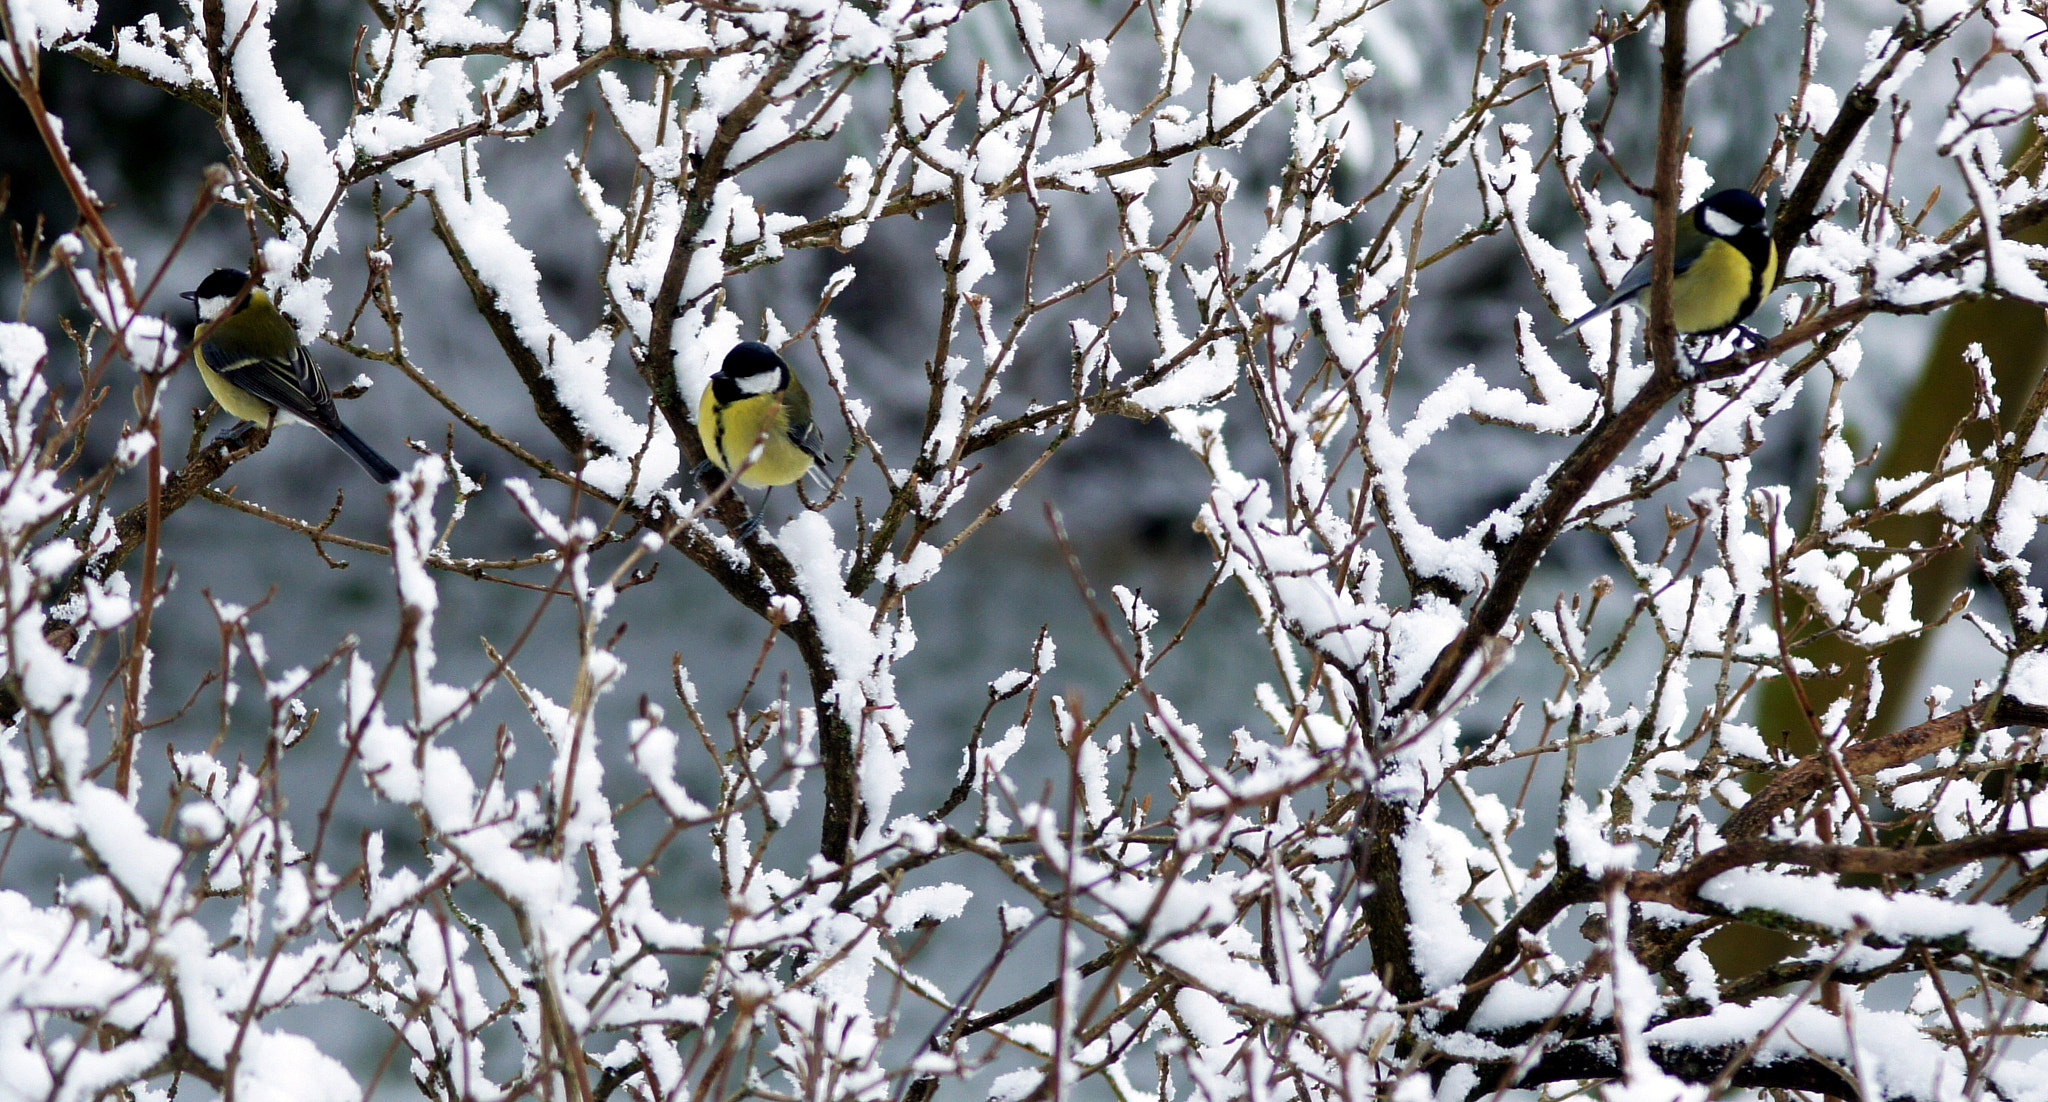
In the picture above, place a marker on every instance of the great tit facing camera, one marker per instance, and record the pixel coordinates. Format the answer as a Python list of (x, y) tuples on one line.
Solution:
[(253, 364), (1724, 264), (755, 399)]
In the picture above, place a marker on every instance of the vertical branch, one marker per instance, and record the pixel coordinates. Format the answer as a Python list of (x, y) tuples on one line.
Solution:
[(1671, 144), (1518, 557), (137, 664)]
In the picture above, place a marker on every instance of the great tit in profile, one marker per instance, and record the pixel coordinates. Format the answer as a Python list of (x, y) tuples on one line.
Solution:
[(255, 367), (1724, 265), (755, 420)]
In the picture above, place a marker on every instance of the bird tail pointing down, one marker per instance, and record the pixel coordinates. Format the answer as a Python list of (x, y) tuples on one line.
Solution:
[(362, 453)]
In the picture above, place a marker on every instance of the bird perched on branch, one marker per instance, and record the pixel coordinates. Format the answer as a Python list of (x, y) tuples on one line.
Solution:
[(253, 364), (755, 421), (1724, 264)]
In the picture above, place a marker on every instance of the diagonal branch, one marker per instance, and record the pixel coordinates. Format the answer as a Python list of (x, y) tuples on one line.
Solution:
[(1863, 758)]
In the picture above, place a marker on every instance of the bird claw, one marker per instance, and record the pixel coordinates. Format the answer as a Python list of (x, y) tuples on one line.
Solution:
[(1699, 344), (242, 438)]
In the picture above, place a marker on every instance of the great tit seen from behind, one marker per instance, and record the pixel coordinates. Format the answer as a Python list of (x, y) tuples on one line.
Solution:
[(755, 400), (253, 364), (1725, 263)]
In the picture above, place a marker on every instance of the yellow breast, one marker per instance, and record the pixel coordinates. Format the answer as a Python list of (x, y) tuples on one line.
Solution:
[(1715, 292), (732, 431)]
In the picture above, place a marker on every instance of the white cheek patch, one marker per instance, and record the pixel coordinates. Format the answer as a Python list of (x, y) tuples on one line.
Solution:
[(211, 308), (1720, 225), (764, 382)]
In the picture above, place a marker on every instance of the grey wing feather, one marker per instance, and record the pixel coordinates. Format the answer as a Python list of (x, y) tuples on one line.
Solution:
[(803, 432), (810, 440), (296, 387)]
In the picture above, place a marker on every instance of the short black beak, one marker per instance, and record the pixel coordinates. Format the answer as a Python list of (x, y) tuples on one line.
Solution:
[(189, 296)]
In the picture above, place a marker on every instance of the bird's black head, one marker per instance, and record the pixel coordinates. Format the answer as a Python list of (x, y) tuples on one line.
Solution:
[(751, 368), (216, 291), (750, 358), (223, 283), (1730, 212)]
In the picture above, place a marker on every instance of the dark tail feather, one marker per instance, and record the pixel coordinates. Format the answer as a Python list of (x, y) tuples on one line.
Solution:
[(362, 453), (1583, 319)]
